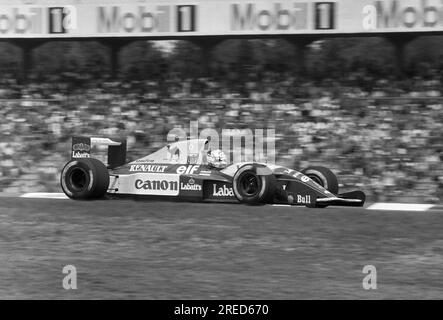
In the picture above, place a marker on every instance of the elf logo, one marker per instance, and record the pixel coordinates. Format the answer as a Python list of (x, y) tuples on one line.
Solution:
[(192, 169)]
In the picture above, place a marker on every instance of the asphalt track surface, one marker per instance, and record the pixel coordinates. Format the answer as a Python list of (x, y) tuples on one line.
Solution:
[(157, 250)]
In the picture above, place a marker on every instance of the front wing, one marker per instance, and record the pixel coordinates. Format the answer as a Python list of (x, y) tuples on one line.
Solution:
[(350, 199), (297, 192)]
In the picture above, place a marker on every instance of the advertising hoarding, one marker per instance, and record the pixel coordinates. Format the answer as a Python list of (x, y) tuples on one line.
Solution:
[(177, 18)]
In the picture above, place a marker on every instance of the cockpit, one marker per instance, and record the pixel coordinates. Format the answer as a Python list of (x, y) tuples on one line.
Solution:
[(181, 152)]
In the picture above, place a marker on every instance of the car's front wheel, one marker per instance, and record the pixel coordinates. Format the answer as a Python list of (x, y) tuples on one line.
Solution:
[(324, 177), (85, 178), (254, 184)]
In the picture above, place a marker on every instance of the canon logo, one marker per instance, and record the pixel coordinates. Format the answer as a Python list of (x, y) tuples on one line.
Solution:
[(156, 185)]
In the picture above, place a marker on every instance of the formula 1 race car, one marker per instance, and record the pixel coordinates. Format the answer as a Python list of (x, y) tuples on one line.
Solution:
[(186, 170)]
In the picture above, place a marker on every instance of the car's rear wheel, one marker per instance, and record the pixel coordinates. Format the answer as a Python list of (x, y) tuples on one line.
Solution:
[(254, 184), (324, 177), (86, 178)]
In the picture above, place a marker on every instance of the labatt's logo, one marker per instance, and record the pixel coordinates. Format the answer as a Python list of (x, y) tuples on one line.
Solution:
[(399, 14), (222, 191), (80, 154), (190, 186), (248, 16), (81, 147)]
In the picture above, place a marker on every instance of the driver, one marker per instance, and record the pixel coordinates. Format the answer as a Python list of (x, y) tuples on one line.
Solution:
[(217, 159)]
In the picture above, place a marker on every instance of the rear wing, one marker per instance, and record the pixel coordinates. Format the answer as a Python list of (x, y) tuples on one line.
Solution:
[(82, 146)]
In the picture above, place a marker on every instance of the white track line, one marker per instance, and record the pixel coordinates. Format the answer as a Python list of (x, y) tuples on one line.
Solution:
[(382, 206), (400, 206), (44, 195)]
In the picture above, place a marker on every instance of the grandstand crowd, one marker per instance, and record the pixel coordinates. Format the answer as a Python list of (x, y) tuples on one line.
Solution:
[(380, 135)]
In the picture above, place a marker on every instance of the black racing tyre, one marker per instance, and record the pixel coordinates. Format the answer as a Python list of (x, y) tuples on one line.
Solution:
[(254, 184), (324, 177), (85, 178)]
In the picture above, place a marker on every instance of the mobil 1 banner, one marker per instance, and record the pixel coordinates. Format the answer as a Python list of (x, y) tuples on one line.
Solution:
[(24, 21), (274, 17), (401, 16), (142, 19), (327, 17), (98, 18), (177, 18)]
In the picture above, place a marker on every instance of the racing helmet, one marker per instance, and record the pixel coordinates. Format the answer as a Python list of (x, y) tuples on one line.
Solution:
[(217, 159)]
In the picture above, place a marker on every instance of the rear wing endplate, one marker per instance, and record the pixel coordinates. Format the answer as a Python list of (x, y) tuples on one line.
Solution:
[(82, 146)]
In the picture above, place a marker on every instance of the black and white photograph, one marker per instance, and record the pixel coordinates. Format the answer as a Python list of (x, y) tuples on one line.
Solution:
[(229, 151)]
